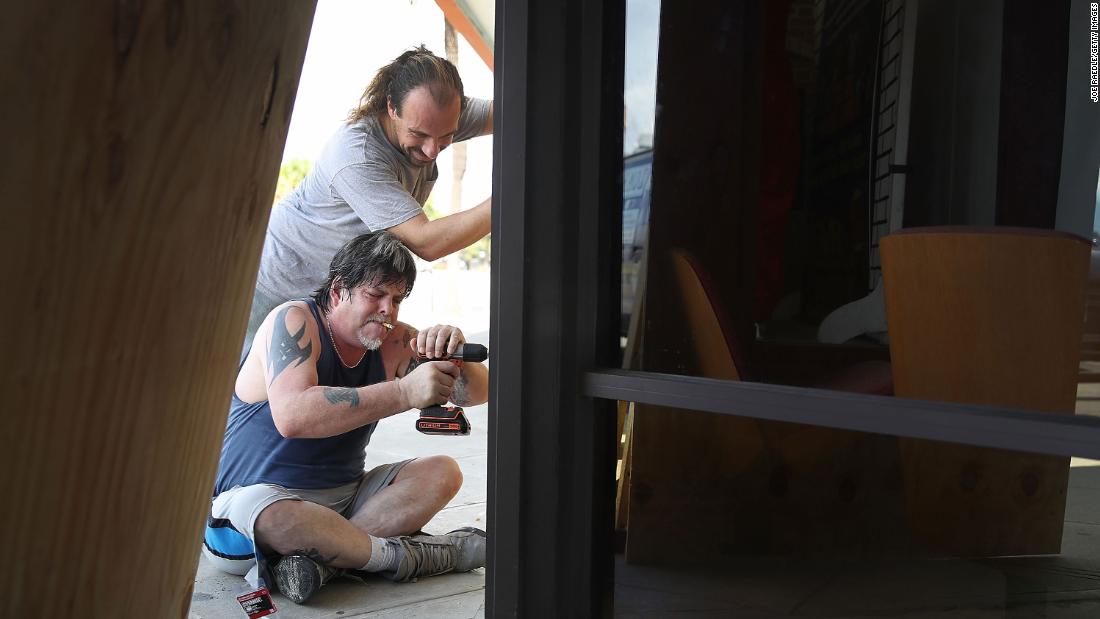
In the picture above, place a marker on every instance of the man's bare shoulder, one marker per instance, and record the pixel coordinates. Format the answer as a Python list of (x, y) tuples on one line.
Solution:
[(291, 320), (397, 352), (285, 339)]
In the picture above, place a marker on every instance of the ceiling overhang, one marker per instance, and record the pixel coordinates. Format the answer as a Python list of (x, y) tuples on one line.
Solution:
[(473, 19)]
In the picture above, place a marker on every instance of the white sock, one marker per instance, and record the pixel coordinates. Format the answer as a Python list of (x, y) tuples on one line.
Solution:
[(383, 557)]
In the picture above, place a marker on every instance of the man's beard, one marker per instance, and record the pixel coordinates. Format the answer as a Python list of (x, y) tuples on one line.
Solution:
[(372, 343), (418, 162)]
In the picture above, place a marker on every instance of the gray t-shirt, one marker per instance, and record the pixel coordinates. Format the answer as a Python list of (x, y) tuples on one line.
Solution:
[(360, 183)]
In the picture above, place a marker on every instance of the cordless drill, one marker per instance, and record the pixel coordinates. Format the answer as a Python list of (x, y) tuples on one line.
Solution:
[(450, 420)]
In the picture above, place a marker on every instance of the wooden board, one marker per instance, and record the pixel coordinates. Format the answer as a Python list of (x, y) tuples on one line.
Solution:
[(759, 488), (985, 316), (752, 486), (622, 491), (787, 489), (142, 145)]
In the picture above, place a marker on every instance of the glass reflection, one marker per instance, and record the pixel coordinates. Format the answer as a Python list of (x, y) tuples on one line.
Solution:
[(639, 99), (794, 136), (794, 527)]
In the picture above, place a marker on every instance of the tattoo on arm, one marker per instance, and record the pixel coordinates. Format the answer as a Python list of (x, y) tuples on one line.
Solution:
[(413, 362), (285, 349), (339, 395), (408, 334), (459, 395)]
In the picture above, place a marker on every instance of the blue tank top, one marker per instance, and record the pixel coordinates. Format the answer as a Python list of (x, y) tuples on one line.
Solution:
[(254, 452)]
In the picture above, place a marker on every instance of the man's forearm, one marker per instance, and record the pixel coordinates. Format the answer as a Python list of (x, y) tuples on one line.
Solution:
[(320, 412), (472, 385), (436, 238)]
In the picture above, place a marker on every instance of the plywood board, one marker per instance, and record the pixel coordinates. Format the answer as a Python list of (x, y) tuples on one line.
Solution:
[(141, 149)]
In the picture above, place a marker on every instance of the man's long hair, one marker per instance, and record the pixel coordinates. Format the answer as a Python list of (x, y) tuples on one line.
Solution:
[(409, 71), (375, 259)]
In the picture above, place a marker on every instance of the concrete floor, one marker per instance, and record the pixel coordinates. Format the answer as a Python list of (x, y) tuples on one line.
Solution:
[(1064, 587), (447, 596)]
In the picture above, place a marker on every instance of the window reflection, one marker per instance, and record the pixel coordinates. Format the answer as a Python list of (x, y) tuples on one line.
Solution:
[(1057, 586), (793, 136), (817, 167), (639, 100)]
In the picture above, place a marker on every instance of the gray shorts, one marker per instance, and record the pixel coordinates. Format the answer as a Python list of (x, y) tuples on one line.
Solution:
[(230, 540)]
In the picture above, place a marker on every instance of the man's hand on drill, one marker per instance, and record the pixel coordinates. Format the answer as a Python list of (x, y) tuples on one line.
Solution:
[(430, 383), (438, 342)]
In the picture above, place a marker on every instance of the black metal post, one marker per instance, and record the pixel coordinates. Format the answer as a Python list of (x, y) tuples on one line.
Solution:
[(557, 198)]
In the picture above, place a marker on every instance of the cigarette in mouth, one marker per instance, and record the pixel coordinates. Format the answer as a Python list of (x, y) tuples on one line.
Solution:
[(387, 325)]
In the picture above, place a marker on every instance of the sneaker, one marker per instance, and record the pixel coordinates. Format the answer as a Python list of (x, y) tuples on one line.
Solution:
[(460, 550), (298, 577), (471, 543)]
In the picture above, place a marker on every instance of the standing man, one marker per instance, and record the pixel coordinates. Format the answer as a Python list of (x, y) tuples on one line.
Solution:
[(309, 394), (375, 173)]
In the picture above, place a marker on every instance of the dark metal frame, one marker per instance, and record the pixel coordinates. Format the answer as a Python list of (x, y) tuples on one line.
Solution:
[(551, 449), (985, 426), (556, 221)]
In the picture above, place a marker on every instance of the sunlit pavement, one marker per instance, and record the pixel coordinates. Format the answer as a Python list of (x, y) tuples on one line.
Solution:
[(451, 595), (452, 297)]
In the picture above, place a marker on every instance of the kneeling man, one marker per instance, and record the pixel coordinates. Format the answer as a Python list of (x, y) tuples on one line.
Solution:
[(321, 373)]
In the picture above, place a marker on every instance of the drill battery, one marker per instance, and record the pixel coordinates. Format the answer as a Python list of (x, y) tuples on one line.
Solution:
[(451, 420), (446, 420)]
